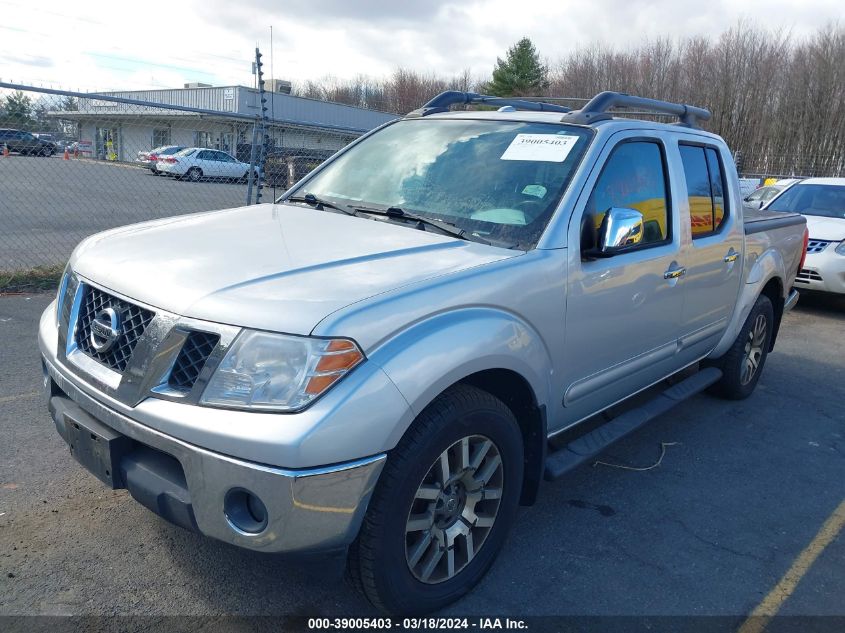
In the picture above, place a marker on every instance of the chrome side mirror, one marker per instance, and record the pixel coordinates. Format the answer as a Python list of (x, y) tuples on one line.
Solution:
[(620, 229)]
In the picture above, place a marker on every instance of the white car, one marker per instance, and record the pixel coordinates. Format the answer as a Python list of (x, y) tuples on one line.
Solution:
[(196, 163), (149, 158), (822, 202), (758, 198)]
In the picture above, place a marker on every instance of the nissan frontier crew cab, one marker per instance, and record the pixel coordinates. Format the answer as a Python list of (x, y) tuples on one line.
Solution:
[(382, 362)]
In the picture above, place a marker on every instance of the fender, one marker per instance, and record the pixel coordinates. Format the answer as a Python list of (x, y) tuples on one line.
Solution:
[(435, 353), (767, 267)]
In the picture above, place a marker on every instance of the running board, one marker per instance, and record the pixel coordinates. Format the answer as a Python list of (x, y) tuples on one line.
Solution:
[(591, 444)]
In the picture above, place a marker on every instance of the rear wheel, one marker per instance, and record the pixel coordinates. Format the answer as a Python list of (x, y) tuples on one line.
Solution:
[(443, 505), (743, 363), (194, 174)]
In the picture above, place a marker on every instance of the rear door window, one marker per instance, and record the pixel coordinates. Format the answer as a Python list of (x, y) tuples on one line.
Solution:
[(705, 189)]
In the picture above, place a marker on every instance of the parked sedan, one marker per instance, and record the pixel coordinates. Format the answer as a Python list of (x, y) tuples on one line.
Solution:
[(151, 157), (822, 202), (26, 143), (196, 163)]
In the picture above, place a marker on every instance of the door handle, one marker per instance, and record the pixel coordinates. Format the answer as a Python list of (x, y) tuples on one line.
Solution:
[(731, 257), (675, 273)]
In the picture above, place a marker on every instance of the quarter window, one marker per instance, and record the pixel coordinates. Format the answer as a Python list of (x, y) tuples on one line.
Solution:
[(705, 189), (633, 177)]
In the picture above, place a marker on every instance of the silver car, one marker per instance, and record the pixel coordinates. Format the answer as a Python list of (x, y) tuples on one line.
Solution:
[(375, 364)]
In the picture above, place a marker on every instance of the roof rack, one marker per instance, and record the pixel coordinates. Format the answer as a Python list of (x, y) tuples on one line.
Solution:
[(597, 109), (441, 103)]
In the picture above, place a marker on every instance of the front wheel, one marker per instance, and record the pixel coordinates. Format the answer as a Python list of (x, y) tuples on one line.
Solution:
[(743, 363), (443, 505)]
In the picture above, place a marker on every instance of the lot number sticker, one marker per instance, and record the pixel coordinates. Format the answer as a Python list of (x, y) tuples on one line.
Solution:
[(551, 148)]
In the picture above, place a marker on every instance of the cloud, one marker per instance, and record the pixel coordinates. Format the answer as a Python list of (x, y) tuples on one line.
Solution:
[(39, 61), (105, 45)]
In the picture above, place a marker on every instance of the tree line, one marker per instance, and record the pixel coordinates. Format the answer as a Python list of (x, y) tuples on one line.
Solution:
[(778, 101)]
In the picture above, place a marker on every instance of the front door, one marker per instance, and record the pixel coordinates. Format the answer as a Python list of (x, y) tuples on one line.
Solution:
[(623, 312)]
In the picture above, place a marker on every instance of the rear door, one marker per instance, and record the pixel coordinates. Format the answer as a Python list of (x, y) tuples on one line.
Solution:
[(205, 161), (712, 248), (623, 312)]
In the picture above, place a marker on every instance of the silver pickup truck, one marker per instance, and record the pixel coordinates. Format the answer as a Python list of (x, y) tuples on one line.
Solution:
[(382, 363)]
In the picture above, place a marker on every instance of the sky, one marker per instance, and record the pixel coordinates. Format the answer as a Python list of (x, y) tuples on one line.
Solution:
[(108, 45)]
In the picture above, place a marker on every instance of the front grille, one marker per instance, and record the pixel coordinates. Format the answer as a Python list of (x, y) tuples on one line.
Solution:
[(134, 320), (816, 246), (192, 358), (805, 275)]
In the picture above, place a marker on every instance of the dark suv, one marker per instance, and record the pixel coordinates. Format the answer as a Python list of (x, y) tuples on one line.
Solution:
[(26, 143)]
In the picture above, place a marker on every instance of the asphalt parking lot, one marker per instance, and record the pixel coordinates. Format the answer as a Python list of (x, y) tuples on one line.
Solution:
[(47, 205), (739, 496)]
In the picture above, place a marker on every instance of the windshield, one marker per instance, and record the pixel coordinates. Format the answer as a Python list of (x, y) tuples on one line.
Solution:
[(496, 180), (827, 201)]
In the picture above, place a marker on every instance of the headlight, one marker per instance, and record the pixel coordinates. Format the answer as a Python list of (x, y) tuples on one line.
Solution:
[(840, 250), (279, 372)]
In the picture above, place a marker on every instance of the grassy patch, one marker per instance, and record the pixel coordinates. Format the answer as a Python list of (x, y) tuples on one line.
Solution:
[(38, 278)]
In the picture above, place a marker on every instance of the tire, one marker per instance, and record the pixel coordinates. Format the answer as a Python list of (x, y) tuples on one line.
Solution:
[(743, 363), (194, 174), (398, 560)]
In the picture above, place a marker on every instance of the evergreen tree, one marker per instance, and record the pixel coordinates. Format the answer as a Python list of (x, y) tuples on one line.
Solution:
[(521, 74), (17, 110)]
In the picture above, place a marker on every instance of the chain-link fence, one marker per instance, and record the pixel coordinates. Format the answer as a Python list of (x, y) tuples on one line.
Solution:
[(74, 164)]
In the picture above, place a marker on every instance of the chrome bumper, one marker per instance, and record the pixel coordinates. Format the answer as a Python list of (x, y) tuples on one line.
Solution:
[(307, 510)]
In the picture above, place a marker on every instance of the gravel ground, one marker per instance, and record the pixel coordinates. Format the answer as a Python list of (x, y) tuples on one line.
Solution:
[(708, 532)]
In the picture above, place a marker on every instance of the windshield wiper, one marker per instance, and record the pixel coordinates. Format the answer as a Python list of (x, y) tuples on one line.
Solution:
[(396, 213), (319, 203)]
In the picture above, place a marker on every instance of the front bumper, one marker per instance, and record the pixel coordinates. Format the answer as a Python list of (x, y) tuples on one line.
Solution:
[(823, 271), (312, 509)]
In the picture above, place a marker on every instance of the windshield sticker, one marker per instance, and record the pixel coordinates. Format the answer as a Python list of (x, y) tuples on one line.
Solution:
[(550, 148), (538, 191)]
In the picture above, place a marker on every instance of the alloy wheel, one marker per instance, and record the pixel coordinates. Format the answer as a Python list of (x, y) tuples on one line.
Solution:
[(454, 509), (754, 349)]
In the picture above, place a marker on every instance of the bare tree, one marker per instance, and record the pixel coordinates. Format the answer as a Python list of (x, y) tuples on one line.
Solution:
[(778, 100)]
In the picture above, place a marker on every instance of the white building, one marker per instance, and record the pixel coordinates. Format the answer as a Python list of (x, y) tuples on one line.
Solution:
[(224, 119)]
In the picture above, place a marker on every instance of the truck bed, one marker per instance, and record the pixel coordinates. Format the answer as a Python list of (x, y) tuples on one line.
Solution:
[(758, 220)]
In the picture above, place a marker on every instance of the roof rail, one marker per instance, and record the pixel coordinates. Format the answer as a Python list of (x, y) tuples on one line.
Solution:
[(597, 109), (441, 103)]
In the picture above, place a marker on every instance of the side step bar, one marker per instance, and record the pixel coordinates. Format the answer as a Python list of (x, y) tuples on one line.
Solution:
[(591, 444)]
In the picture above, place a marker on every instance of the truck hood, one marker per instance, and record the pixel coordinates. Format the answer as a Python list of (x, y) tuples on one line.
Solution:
[(275, 267), (829, 229)]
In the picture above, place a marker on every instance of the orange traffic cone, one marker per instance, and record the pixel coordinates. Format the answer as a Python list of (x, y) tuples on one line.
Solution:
[(5, 150), (67, 154)]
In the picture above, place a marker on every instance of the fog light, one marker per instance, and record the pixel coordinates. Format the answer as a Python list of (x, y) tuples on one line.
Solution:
[(245, 512)]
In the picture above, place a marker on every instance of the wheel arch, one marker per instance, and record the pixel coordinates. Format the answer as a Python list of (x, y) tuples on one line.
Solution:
[(516, 393), (489, 349), (774, 291)]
